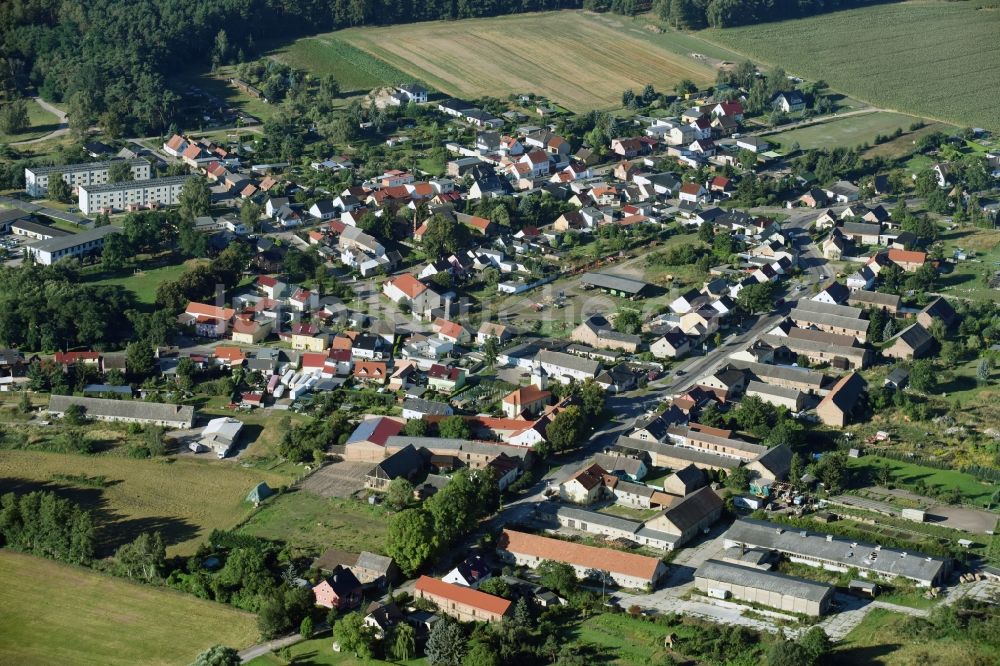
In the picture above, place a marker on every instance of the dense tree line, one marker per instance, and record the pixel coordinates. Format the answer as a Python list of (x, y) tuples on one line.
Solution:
[(43, 524), (46, 308), (107, 59), (693, 14), (202, 281)]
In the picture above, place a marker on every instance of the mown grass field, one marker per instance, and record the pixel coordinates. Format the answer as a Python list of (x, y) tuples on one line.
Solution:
[(577, 60), (926, 57), (354, 69), (185, 499), (879, 640), (143, 284), (846, 132), (58, 614), (40, 122), (313, 523)]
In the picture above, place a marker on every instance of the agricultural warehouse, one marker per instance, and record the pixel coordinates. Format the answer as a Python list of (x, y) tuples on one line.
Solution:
[(126, 411), (788, 593), (614, 284), (835, 554)]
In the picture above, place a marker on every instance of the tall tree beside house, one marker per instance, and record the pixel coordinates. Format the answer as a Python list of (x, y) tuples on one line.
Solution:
[(411, 539), (195, 199), (454, 427), (443, 236), (567, 429), (119, 172), (628, 320), (491, 350), (116, 253), (404, 642), (58, 188), (446, 644), (140, 358)]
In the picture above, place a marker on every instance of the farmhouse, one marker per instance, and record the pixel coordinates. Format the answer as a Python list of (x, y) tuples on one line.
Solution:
[(341, 590), (777, 590), (48, 252), (462, 603), (874, 299), (779, 396), (836, 554), (126, 411), (839, 404), (912, 342), (685, 519), (937, 310), (597, 331), (674, 456), (625, 569), (145, 193), (840, 319), (36, 179)]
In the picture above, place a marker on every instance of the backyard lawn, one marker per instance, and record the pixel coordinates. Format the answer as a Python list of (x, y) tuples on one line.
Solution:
[(59, 614), (969, 277)]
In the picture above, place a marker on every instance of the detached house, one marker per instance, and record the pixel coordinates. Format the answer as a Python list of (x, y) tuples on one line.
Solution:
[(209, 321), (340, 590), (408, 289), (627, 148)]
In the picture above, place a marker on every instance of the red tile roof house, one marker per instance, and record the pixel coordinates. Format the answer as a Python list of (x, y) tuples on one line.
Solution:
[(450, 331), (340, 590), (627, 570), (409, 289), (462, 603), (375, 372), (66, 359), (908, 260), (209, 321)]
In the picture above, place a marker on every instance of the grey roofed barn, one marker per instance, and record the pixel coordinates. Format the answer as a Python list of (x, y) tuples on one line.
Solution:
[(842, 552), (126, 410), (735, 574), (614, 282)]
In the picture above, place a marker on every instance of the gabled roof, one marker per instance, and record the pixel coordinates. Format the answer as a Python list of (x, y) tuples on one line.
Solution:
[(195, 309), (409, 285), (462, 595), (845, 393), (589, 557), (693, 509)]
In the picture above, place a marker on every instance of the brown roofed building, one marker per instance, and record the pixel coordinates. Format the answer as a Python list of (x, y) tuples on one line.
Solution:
[(462, 603), (684, 519), (625, 569), (912, 342)]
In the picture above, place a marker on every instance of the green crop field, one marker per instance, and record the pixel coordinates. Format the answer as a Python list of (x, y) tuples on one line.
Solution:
[(58, 614), (846, 132), (578, 60), (353, 68), (927, 57), (184, 499), (313, 523)]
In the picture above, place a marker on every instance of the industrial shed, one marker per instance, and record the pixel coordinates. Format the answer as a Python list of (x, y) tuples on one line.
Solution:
[(777, 590)]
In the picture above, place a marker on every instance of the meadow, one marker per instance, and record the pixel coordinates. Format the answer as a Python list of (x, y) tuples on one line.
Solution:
[(313, 523), (40, 123), (58, 614), (879, 639), (968, 279), (184, 498), (847, 132), (926, 57), (577, 60), (143, 284)]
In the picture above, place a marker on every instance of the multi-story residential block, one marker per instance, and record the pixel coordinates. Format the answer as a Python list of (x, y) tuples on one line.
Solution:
[(36, 179), (117, 196)]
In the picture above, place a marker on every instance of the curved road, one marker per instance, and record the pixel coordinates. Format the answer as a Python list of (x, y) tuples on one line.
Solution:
[(62, 129)]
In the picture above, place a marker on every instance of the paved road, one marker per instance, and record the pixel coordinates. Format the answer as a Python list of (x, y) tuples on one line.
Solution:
[(62, 129)]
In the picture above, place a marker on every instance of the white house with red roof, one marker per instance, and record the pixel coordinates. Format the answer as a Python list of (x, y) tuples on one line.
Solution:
[(732, 110), (692, 192), (210, 321), (407, 289), (175, 146), (303, 300), (271, 287)]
